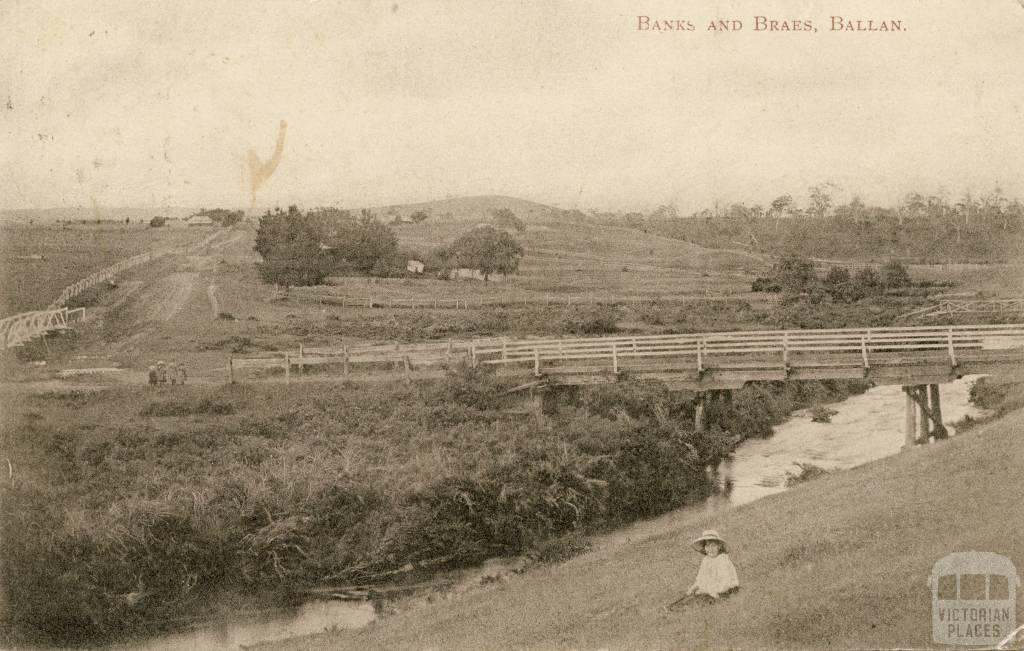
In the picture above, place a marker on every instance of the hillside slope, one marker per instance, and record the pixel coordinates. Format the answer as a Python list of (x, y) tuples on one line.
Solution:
[(476, 208), (839, 562)]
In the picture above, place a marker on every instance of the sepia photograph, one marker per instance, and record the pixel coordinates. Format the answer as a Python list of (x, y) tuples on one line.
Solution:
[(542, 325)]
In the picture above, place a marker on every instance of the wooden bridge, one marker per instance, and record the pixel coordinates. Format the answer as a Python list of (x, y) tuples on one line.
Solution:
[(711, 364), (20, 328)]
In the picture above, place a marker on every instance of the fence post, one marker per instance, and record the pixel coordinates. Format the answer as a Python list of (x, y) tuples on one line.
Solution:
[(952, 352), (231, 369), (785, 351), (302, 365), (615, 358), (536, 362), (504, 349), (287, 369), (344, 350)]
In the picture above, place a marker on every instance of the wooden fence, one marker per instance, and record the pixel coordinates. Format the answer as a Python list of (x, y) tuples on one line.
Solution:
[(345, 359), (506, 301), (113, 270)]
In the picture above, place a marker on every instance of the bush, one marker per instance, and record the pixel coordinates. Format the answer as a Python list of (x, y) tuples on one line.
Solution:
[(807, 472), (596, 320), (187, 407)]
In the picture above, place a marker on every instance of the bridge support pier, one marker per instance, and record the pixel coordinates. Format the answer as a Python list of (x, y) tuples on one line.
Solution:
[(938, 429), (910, 419), (923, 414), (700, 403)]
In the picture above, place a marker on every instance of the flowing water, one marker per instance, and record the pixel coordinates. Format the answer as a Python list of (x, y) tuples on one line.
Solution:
[(867, 427)]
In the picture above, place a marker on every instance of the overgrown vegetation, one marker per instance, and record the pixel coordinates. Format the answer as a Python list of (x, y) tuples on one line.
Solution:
[(127, 514), (795, 276)]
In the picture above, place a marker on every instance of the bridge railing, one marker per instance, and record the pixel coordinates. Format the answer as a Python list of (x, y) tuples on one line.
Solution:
[(781, 342)]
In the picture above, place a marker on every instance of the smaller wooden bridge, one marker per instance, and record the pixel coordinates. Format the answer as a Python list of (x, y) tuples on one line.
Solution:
[(18, 329)]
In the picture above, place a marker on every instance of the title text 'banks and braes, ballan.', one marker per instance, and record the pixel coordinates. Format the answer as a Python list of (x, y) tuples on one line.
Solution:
[(769, 24)]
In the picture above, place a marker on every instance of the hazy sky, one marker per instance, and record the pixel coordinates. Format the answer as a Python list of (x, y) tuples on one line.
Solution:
[(159, 103)]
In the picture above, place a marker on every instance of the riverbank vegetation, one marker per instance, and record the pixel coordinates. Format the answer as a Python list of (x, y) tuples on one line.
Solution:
[(840, 562), (128, 511)]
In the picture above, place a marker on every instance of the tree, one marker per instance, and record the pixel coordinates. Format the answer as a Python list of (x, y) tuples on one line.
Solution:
[(360, 245), (487, 249), (895, 275), (795, 274), (505, 218), (867, 282), (289, 244), (821, 199), (157, 221), (420, 216)]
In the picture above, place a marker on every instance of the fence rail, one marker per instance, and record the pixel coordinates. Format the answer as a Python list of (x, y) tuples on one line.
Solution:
[(496, 301)]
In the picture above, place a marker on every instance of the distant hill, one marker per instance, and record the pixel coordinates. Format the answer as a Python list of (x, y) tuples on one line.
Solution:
[(472, 209)]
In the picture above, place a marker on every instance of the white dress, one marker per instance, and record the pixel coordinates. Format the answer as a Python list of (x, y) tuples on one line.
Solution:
[(716, 575)]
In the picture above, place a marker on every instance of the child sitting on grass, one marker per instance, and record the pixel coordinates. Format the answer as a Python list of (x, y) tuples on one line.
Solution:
[(716, 577)]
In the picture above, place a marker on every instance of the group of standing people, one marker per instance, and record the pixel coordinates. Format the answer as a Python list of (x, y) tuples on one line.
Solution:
[(161, 373)]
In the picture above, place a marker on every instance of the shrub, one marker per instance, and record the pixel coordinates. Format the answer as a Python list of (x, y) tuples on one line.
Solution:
[(596, 320), (187, 407), (807, 472)]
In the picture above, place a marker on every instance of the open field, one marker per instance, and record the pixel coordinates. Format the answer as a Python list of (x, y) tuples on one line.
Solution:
[(840, 562), (200, 308), (68, 253)]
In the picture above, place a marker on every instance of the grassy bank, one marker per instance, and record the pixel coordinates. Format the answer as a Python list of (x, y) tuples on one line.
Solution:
[(838, 562), (130, 511)]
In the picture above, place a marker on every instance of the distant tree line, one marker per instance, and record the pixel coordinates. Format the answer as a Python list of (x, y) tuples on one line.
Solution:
[(303, 248), (922, 228)]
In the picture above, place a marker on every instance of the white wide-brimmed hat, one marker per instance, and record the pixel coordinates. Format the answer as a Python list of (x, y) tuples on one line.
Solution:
[(709, 534)]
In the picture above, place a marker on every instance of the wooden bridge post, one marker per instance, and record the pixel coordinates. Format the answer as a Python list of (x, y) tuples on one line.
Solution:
[(537, 404), (698, 411), (910, 424), (938, 428), (922, 413)]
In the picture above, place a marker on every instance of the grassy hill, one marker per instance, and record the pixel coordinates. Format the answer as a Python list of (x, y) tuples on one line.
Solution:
[(839, 562), (472, 209)]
